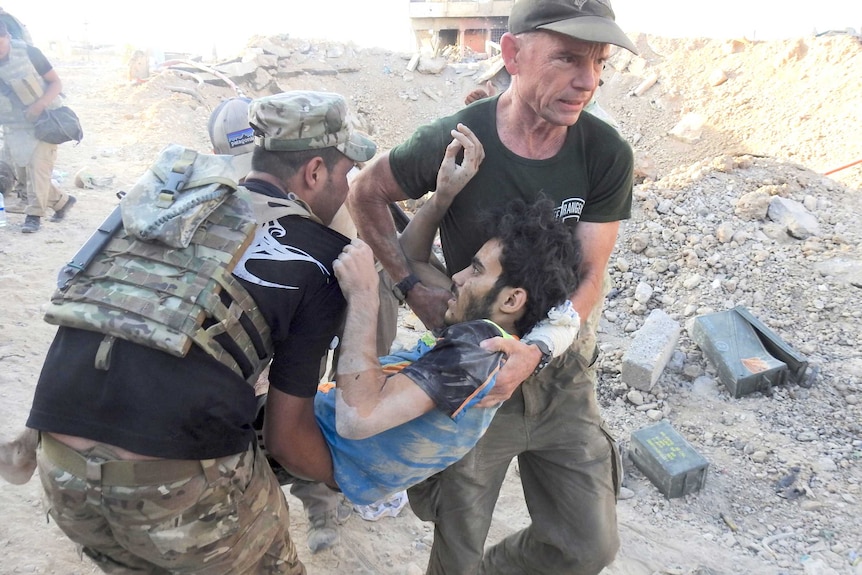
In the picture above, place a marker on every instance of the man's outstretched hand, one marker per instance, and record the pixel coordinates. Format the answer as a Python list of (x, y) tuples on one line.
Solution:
[(521, 360), (480, 93)]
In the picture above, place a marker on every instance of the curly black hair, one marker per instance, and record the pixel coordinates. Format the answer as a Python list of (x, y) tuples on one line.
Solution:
[(539, 253)]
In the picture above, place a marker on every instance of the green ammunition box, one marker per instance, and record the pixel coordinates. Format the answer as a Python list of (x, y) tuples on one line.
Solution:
[(733, 346), (668, 460), (777, 347)]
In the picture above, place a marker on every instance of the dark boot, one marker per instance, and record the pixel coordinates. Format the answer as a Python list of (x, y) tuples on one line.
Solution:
[(61, 213), (31, 224)]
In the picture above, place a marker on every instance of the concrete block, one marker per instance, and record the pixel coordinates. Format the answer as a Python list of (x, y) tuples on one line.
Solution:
[(650, 350)]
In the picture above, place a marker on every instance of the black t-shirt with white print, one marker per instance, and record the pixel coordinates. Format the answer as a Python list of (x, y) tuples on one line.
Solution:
[(156, 404)]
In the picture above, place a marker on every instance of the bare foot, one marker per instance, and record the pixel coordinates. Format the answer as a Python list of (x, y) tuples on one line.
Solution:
[(18, 457)]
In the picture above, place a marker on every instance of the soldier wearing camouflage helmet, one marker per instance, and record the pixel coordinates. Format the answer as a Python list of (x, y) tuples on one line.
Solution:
[(149, 461)]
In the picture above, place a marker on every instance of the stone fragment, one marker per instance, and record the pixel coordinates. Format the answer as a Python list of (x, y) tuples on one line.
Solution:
[(645, 166), (692, 281), (650, 350), (689, 129), (643, 292), (800, 223), (753, 205), (431, 65), (635, 397), (733, 47), (724, 232), (759, 456), (262, 80), (266, 60), (645, 84), (717, 78), (236, 71), (639, 242)]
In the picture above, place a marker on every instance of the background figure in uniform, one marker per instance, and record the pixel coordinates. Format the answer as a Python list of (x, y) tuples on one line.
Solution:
[(28, 86)]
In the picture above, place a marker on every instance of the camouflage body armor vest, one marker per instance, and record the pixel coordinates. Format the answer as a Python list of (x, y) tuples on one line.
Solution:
[(23, 85), (162, 278)]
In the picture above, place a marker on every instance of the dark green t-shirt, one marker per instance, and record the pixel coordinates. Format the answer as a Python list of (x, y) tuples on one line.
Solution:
[(590, 179)]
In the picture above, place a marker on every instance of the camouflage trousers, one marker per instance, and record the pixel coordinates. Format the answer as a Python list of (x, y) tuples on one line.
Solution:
[(231, 518)]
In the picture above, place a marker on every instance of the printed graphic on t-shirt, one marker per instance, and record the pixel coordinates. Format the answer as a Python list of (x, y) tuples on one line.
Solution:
[(570, 208), (267, 247)]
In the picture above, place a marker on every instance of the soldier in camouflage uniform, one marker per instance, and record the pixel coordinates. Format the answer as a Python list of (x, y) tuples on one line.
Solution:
[(148, 460)]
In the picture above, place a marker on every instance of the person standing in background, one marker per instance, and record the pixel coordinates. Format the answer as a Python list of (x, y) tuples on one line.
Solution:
[(28, 86)]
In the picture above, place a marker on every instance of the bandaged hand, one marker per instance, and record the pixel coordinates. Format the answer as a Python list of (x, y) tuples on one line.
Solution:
[(559, 330)]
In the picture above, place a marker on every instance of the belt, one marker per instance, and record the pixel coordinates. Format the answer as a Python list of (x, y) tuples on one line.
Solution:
[(120, 471)]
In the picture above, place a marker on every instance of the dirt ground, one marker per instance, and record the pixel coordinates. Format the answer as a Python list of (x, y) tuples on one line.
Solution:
[(759, 120)]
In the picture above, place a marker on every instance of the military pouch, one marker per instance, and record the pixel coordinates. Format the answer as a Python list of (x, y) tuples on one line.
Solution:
[(170, 202), (164, 279), (28, 89)]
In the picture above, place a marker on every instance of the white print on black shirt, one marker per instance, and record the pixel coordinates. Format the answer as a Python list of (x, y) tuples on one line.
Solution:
[(267, 247), (570, 208)]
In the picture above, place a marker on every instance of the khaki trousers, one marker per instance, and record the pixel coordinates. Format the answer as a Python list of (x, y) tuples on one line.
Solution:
[(41, 191)]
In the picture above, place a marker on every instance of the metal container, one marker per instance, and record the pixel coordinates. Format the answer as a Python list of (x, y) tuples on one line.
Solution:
[(668, 460)]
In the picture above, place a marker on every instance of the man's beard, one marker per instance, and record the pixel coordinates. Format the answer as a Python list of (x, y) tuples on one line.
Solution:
[(481, 308)]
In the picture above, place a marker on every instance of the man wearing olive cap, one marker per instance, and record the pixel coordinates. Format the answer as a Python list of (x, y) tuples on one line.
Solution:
[(536, 140), (148, 460)]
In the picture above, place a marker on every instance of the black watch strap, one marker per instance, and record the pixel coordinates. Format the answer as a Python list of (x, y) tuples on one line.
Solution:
[(546, 356), (402, 288)]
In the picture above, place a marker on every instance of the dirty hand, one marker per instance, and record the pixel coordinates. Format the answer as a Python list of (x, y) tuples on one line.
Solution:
[(429, 304), (522, 360), (354, 270), (452, 177)]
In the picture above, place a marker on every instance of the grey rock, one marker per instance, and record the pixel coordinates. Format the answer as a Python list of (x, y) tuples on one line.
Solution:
[(800, 223)]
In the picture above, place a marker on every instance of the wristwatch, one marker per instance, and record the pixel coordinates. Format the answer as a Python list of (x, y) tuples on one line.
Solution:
[(402, 288), (546, 356)]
